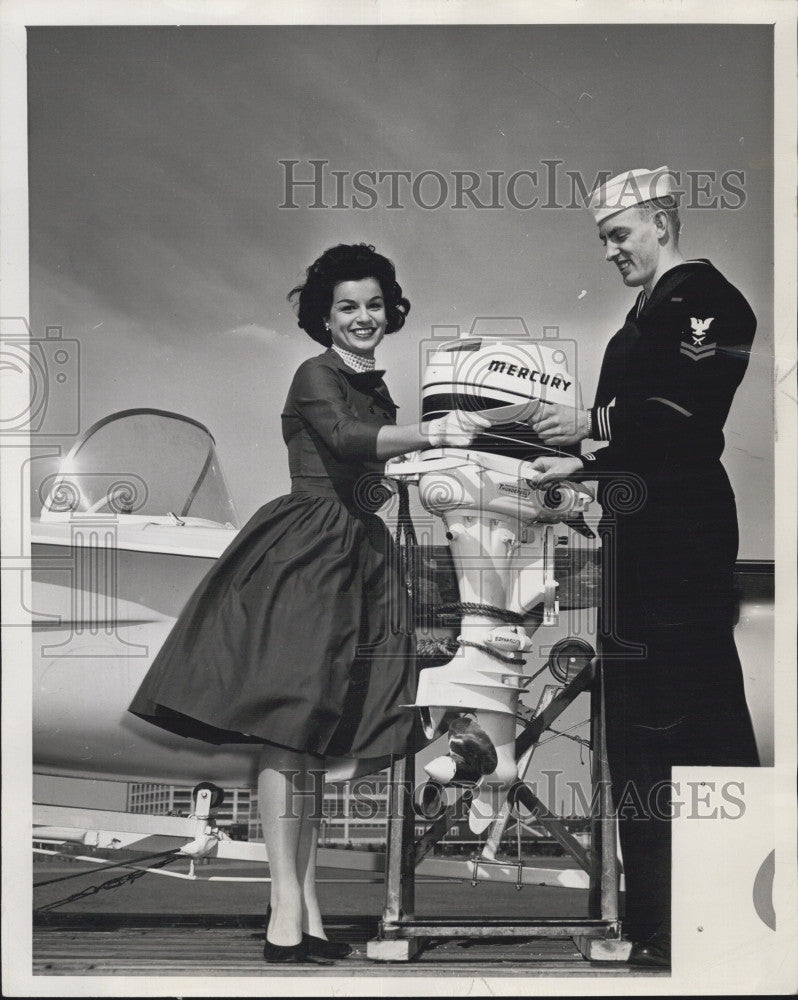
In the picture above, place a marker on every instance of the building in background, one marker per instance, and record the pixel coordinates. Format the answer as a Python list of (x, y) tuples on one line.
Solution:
[(175, 800), (354, 813), (354, 816)]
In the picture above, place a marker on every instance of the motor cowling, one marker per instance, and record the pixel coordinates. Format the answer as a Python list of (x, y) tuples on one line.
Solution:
[(482, 373)]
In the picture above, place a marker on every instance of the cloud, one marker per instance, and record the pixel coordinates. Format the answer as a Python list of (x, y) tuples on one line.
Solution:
[(263, 334)]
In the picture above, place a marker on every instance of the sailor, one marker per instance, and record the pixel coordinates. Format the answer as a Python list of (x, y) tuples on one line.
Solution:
[(673, 682)]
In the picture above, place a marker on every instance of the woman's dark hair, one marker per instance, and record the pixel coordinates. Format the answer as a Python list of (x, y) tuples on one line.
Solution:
[(346, 263)]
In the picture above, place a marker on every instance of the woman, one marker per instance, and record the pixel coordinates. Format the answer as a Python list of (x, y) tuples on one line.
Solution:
[(294, 640)]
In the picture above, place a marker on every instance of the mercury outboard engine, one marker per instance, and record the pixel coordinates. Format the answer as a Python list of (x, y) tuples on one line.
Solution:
[(500, 529)]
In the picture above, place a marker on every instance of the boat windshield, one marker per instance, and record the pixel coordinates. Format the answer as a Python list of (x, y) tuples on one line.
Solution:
[(143, 462)]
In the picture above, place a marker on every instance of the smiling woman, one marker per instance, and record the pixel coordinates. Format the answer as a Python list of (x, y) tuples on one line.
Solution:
[(296, 639), (344, 280), (357, 318)]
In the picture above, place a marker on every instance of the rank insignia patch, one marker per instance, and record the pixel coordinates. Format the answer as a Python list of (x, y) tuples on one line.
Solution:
[(698, 349), (700, 327), (697, 353)]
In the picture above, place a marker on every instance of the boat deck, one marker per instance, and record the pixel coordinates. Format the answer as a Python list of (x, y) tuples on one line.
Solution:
[(209, 926), (176, 945)]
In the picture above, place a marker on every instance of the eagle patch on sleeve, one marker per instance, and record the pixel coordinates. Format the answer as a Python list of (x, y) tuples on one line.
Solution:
[(699, 349)]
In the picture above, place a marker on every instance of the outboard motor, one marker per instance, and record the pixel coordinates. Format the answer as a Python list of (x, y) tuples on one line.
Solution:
[(500, 529)]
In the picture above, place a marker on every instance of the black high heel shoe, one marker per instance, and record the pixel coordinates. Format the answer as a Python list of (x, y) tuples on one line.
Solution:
[(314, 946), (285, 953), (322, 948)]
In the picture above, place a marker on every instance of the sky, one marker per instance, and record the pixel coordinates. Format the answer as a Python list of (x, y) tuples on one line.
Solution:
[(160, 239)]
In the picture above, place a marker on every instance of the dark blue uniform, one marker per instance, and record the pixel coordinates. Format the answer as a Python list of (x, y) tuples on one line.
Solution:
[(674, 686)]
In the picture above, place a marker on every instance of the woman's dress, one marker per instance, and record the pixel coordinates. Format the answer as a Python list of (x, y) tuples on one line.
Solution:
[(299, 635)]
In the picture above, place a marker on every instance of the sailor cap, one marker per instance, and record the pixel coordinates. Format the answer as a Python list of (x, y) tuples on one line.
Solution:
[(633, 187)]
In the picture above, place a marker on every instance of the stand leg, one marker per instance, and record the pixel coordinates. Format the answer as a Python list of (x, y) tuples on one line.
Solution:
[(400, 869), (607, 821), (596, 829), (603, 892), (603, 949)]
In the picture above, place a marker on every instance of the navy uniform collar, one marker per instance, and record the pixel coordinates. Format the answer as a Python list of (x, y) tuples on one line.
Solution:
[(669, 282)]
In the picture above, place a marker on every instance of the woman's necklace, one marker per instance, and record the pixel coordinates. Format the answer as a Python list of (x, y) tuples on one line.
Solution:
[(356, 361)]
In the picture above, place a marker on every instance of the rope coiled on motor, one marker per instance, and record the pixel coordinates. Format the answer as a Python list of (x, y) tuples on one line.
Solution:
[(485, 610)]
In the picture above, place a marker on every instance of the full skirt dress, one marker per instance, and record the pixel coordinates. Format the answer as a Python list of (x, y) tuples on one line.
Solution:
[(299, 635), (289, 639)]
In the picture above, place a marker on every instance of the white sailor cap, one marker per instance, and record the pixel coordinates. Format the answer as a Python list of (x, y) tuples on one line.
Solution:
[(633, 187)]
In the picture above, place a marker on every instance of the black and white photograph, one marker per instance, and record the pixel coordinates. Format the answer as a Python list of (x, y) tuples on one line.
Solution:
[(398, 451)]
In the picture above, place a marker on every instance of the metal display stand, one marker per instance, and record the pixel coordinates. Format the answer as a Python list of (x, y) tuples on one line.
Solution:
[(598, 936)]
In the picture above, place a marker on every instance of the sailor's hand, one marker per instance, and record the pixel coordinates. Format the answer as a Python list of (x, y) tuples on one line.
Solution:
[(558, 424), (410, 456), (551, 469), (456, 430)]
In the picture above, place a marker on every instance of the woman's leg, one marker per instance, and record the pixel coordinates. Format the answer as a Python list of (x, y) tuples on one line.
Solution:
[(308, 845), (281, 779)]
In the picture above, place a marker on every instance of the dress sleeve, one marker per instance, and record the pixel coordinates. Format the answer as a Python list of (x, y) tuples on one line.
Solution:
[(319, 397), (694, 390)]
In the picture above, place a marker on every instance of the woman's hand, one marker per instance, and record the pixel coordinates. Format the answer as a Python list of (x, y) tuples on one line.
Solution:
[(551, 469), (455, 430)]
